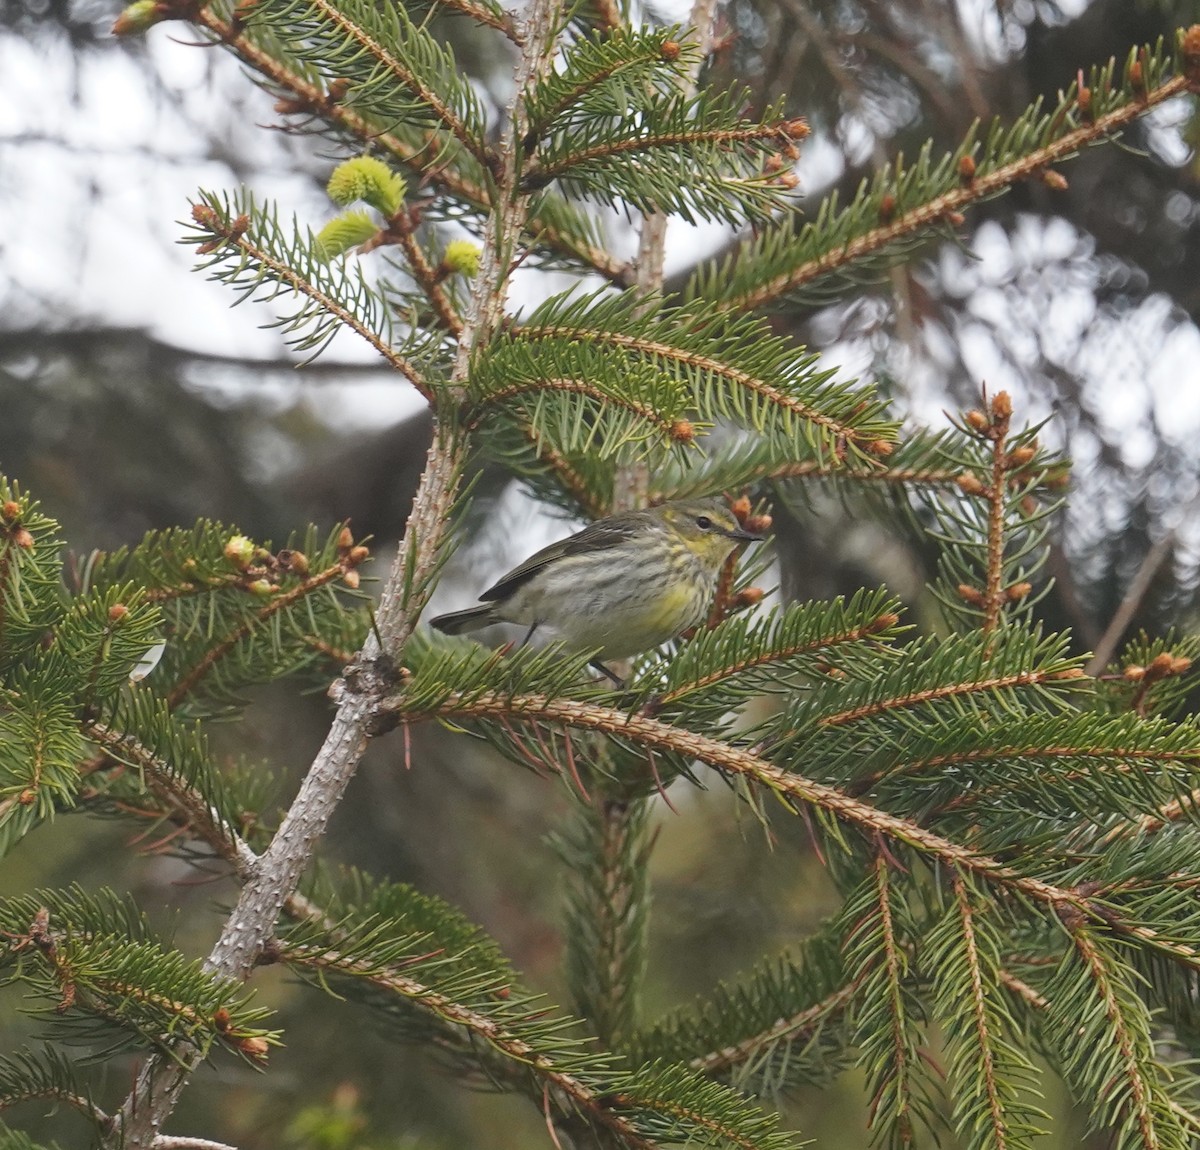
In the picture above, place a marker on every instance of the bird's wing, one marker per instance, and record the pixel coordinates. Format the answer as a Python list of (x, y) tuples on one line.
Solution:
[(594, 537)]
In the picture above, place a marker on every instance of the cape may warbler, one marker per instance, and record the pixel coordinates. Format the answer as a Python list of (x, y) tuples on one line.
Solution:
[(621, 585)]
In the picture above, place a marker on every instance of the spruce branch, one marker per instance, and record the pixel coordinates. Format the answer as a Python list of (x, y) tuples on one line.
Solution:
[(791, 788), (988, 1074), (769, 463), (429, 280), (607, 852), (1108, 1052), (355, 24), (237, 238), (878, 947), (797, 1029), (986, 684), (839, 433), (758, 653), (301, 96), (281, 602), (611, 73), (489, 15), (189, 806), (720, 139), (45, 1074), (644, 413), (572, 1091), (994, 596), (891, 214)]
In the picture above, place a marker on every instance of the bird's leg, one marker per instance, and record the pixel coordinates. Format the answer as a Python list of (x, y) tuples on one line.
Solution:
[(595, 664), (529, 634)]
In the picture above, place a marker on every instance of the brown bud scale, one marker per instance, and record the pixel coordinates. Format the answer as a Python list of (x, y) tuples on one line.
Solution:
[(970, 595)]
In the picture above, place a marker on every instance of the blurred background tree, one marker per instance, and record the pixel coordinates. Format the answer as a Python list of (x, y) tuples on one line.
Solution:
[(131, 399)]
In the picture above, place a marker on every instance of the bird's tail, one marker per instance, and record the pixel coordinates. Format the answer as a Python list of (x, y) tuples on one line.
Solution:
[(456, 622)]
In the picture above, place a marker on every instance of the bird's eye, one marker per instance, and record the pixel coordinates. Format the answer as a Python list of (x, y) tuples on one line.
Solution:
[(703, 522)]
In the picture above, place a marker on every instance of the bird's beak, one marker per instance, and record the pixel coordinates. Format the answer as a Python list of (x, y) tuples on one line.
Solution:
[(742, 535)]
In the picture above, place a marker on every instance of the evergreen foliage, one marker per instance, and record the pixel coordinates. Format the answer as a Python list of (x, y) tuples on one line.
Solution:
[(1012, 841)]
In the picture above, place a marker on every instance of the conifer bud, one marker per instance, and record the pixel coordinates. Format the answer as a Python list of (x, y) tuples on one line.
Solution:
[(1055, 181), (205, 216), (887, 207), (462, 258), (23, 538), (883, 622), (1160, 666), (741, 508), (117, 612), (682, 431), (1189, 54), (344, 232), (368, 179), (966, 168), (1134, 673), (669, 51), (748, 597), (955, 219), (1002, 405), (758, 524), (138, 17), (977, 421), (971, 484), (345, 539), (10, 511), (296, 561), (1018, 591), (352, 579), (1083, 101), (27, 797), (1019, 456), (262, 588), (357, 554), (239, 550), (797, 129), (1180, 664), (1137, 76), (881, 447), (968, 594), (257, 1048)]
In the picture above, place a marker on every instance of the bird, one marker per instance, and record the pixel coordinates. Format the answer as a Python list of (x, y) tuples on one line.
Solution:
[(623, 585)]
